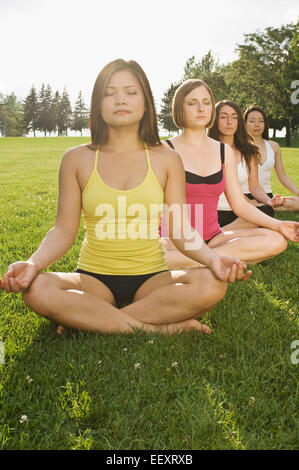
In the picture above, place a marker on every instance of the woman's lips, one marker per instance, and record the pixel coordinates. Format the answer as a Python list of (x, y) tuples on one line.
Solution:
[(121, 111)]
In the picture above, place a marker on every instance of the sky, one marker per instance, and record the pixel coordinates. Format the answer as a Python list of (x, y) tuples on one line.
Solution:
[(67, 42)]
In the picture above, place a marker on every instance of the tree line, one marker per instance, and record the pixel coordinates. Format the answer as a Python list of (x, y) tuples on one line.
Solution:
[(264, 74), (43, 111)]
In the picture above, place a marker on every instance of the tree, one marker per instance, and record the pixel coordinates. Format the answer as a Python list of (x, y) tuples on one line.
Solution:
[(55, 111), (45, 117), (165, 116), (211, 72), (30, 114), (291, 76), (208, 70), (260, 75), (80, 115), (64, 114), (12, 117)]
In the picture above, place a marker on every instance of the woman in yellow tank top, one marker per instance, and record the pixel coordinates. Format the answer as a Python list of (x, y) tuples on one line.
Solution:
[(120, 182)]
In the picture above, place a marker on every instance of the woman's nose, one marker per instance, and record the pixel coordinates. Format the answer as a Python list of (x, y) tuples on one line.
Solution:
[(120, 98)]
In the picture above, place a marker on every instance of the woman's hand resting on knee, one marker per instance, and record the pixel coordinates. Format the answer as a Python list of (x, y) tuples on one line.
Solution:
[(229, 269), (19, 276), (290, 230)]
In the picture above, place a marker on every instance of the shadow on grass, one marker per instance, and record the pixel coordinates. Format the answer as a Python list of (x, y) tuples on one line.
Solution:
[(233, 389)]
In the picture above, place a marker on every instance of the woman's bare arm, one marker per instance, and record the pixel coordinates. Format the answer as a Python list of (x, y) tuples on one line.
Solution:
[(61, 236), (255, 188)]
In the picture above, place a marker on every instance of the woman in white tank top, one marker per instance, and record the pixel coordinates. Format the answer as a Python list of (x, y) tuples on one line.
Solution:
[(257, 127), (229, 127)]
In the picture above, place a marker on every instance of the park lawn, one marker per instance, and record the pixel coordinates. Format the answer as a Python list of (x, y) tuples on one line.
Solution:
[(234, 389)]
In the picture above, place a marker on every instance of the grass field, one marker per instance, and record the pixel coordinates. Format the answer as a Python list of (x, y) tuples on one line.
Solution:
[(234, 389)]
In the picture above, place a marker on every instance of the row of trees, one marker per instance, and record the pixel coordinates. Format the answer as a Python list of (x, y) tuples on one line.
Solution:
[(42, 111), (263, 74)]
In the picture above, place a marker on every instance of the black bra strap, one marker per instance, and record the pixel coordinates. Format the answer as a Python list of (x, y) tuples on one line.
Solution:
[(170, 144), (222, 152)]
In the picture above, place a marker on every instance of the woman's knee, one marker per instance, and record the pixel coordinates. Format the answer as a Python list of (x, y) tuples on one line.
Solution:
[(278, 242), (33, 295), (208, 290)]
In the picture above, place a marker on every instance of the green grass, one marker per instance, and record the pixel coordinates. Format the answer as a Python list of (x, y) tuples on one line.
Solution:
[(234, 389), (281, 140)]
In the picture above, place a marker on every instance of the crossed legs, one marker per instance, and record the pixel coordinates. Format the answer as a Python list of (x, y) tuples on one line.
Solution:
[(248, 243), (167, 302)]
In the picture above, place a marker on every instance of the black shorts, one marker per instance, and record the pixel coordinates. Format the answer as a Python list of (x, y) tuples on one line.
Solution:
[(266, 209), (208, 241), (227, 217), (122, 287)]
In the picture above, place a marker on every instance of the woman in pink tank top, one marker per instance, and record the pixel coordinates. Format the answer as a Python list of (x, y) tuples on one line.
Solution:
[(207, 176)]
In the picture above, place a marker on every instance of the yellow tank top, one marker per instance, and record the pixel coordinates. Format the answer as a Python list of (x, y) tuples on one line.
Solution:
[(122, 226)]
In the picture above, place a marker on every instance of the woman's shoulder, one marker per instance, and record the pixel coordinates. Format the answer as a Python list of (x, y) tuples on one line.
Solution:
[(164, 151), (228, 151), (165, 155), (274, 145), (79, 150), (75, 155), (215, 145)]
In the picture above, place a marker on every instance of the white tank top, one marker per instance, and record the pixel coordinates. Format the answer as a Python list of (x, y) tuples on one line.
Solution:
[(223, 204), (265, 170)]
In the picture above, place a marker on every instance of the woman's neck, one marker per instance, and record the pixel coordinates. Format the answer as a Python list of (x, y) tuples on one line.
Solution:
[(193, 136), (123, 139), (228, 139), (258, 140)]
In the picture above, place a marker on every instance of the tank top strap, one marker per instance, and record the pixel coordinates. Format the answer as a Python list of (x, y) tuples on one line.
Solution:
[(222, 152), (170, 144), (147, 156), (96, 158), (268, 148)]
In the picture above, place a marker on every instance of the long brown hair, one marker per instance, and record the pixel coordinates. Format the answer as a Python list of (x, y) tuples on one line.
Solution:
[(242, 140), (177, 104), (148, 127)]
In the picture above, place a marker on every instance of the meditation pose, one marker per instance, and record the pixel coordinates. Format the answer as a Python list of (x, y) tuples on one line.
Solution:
[(229, 127), (210, 170), (121, 181), (257, 127)]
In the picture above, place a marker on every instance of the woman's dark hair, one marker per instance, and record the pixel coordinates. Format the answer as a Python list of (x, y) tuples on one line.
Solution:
[(242, 140), (148, 128), (265, 134)]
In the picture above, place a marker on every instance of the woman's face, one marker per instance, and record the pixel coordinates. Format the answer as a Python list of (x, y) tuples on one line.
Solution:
[(227, 121), (197, 108), (255, 124), (123, 103)]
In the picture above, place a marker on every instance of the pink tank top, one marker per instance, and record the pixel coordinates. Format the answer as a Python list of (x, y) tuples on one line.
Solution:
[(202, 194)]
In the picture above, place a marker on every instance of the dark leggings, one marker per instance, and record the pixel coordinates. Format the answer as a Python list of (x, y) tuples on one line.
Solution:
[(227, 217)]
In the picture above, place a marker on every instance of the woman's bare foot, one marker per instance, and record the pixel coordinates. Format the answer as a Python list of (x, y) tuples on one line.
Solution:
[(186, 325), (179, 327)]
